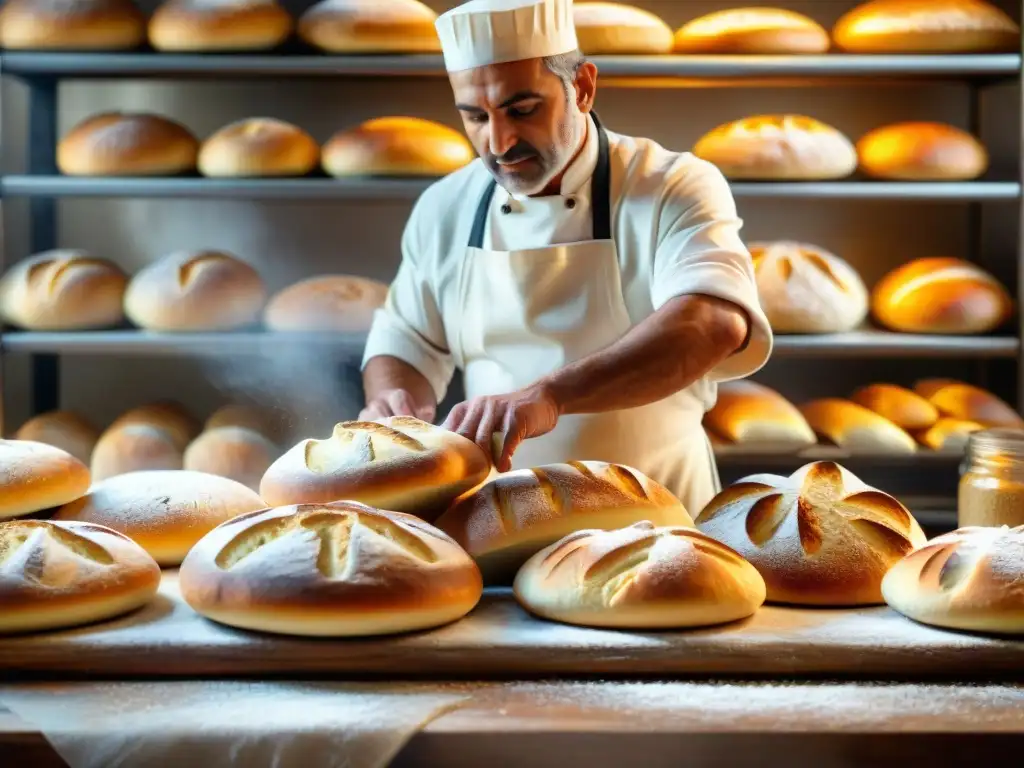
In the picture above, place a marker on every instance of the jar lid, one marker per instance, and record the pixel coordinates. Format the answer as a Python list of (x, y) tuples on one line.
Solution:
[(1007, 440)]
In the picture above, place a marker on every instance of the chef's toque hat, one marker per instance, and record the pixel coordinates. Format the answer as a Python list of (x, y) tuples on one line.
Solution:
[(483, 32)]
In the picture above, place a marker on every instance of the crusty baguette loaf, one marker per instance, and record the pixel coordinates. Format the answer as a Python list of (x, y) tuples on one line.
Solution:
[(396, 146), (71, 25), (967, 402), (604, 29), (749, 413), (66, 430), (36, 476), (370, 26), (948, 434), (219, 25), (856, 428), (127, 144), (752, 31), (921, 151), (904, 408)]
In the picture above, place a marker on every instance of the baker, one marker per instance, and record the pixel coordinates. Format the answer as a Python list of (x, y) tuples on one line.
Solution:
[(592, 287)]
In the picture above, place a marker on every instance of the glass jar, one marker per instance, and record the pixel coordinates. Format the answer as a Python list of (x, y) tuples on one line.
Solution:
[(992, 479)]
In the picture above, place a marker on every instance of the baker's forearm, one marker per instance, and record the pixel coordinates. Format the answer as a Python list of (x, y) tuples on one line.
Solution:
[(385, 374)]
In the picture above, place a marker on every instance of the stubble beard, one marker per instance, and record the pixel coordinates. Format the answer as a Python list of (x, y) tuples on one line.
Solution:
[(556, 159)]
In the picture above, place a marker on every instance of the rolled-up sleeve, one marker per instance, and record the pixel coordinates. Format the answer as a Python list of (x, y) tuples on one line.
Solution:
[(699, 251)]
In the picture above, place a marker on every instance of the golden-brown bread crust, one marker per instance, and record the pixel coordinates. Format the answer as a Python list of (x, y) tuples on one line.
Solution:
[(926, 26), (370, 26), (639, 577), (66, 430), (948, 434), (340, 569), (778, 147), (340, 303), (399, 463), (762, 31), (233, 452), (805, 289), (167, 415), (132, 448), (616, 29), (259, 146), (396, 146), (71, 25), (164, 511), (818, 537), (921, 151), (855, 428), (969, 579), (940, 295), (967, 402), (267, 421), (219, 25), (127, 144), (195, 291), (64, 574), (35, 476), (904, 408), (747, 412), (63, 290)]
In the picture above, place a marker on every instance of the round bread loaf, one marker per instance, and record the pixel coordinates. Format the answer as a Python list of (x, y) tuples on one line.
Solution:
[(370, 26), (399, 463), (165, 511), (640, 577), (125, 144), (396, 146), (818, 537), (907, 410), (959, 400), (948, 434), (926, 26), (269, 422), (259, 146), (66, 430), (516, 514), (56, 575), (219, 25), (63, 290), (133, 448), (37, 476), (855, 428), (233, 452), (195, 291), (940, 295), (778, 147), (918, 151), (751, 413), (167, 415), (71, 25), (337, 303), (617, 29), (806, 289), (969, 579), (752, 31)]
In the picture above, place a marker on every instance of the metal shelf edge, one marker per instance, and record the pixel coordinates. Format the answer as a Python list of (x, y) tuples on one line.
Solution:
[(886, 344)]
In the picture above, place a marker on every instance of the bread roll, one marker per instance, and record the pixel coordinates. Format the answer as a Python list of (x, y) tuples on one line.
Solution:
[(165, 511), (36, 476), (948, 434), (778, 147), (818, 537), (63, 290), (855, 428), (806, 289), (259, 146), (58, 575), (940, 295), (66, 430), (171, 417), (926, 26), (71, 25), (640, 577), (752, 31), (966, 402), (921, 152), (399, 463), (233, 452), (396, 146), (268, 422), (333, 303), (370, 26), (195, 291), (517, 514), (132, 448), (617, 29), (751, 413), (906, 409), (126, 144), (329, 570), (219, 25)]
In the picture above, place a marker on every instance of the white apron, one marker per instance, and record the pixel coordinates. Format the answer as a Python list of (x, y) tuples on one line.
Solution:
[(528, 313)]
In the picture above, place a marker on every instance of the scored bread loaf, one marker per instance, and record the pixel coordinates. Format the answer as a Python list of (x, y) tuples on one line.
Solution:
[(36, 476), (948, 434), (71, 25), (340, 303), (818, 537), (219, 25), (132, 448), (233, 452), (639, 577), (747, 412), (127, 144), (920, 151), (370, 26), (259, 146), (171, 417), (615, 29), (752, 31), (396, 146), (335, 570), (855, 428), (55, 575), (959, 400), (66, 430), (907, 410)]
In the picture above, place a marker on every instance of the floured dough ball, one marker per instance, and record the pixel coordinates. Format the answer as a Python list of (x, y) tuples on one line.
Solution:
[(370, 26), (66, 430), (233, 452), (219, 25), (34, 477), (340, 303), (71, 25)]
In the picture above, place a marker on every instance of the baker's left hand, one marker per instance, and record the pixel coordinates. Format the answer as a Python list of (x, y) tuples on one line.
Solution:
[(517, 416)]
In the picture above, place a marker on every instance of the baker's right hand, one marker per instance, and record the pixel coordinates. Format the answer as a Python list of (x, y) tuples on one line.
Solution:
[(396, 402)]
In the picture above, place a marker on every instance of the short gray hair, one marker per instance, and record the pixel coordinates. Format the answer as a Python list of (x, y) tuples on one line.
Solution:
[(565, 66)]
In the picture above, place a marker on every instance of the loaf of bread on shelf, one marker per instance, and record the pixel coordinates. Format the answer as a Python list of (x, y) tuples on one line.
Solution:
[(904, 408), (167, 415), (259, 146), (71, 25), (805, 289), (37, 476), (132, 448), (640, 577), (927, 26), (752, 31), (948, 434), (339, 303), (778, 147), (127, 144), (233, 452), (396, 146), (940, 295), (195, 291), (66, 430), (960, 400), (749, 413), (370, 26), (267, 421), (516, 514), (219, 25), (617, 29), (818, 537), (921, 151), (55, 575), (855, 428)]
